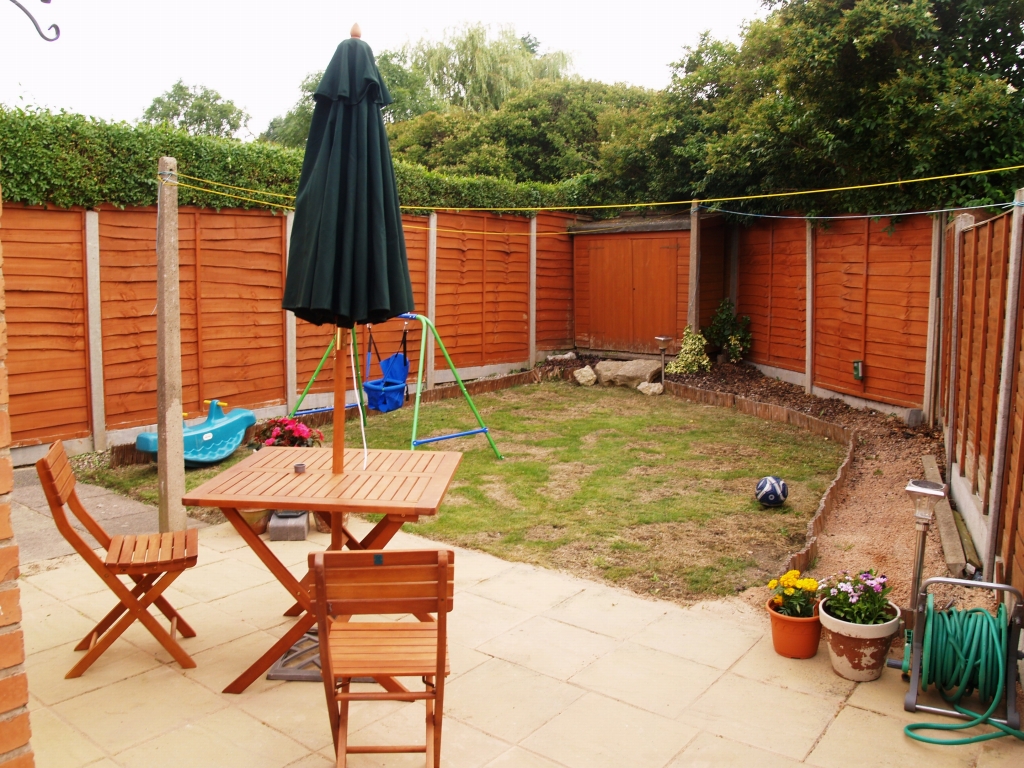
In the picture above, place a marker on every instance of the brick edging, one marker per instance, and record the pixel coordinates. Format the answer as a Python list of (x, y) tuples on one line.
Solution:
[(803, 559)]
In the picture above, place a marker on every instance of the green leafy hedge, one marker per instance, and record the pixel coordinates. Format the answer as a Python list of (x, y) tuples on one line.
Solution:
[(64, 159)]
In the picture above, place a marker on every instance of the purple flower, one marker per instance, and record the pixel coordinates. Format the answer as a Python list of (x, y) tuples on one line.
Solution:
[(878, 587), (854, 598), (834, 592)]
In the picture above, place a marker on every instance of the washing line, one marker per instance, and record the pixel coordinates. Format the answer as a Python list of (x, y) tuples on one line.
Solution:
[(862, 215), (763, 196)]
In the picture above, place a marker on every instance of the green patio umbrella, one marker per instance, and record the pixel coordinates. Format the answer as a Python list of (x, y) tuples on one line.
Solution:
[(347, 261)]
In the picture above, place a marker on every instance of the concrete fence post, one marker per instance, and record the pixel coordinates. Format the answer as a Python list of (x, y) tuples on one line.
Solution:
[(290, 353), (431, 297), (1004, 405), (170, 440), (963, 221), (693, 301), (94, 318), (934, 314), (533, 293)]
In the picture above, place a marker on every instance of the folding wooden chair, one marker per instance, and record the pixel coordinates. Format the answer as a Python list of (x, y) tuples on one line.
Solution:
[(152, 561), (375, 582)]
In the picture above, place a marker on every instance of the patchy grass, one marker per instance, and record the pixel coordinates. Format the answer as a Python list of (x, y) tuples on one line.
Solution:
[(650, 492)]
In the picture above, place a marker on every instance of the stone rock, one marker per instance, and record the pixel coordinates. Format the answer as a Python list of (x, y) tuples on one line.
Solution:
[(650, 389), (566, 356), (606, 371), (635, 372), (585, 376)]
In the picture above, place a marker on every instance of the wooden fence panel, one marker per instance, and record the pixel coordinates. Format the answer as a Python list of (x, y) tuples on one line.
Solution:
[(506, 300), (581, 258), (44, 268), (772, 291), (713, 277), (554, 282), (460, 288), (871, 304), (242, 323), (128, 302)]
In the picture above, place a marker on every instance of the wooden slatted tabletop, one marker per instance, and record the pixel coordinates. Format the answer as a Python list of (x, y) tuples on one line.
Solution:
[(408, 483)]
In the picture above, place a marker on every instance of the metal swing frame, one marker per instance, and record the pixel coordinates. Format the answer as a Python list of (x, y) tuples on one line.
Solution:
[(426, 324)]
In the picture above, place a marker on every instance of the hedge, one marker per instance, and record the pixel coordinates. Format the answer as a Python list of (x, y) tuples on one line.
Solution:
[(63, 159)]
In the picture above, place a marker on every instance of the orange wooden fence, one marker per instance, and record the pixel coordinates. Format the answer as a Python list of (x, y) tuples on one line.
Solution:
[(233, 331)]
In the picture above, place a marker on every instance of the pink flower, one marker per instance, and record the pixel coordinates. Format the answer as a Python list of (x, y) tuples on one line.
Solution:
[(276, 432), (269, 441)]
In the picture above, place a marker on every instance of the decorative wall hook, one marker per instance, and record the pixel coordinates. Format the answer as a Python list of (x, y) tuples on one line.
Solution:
[(53, 27)]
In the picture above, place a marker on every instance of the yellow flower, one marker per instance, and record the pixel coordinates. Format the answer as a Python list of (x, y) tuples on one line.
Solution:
[(773, 584), (777, 599), (790, 590)]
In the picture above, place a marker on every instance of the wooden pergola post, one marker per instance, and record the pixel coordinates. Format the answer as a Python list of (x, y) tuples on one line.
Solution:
[(170, 437)]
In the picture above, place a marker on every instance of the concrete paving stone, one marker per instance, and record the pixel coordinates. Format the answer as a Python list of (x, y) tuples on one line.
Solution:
[(653, 680), (313, 760), (213, 627), (24, 520), (549, 647), (528, 588), (474, 620), (462, 659), (47, 669), (1006, 752), (227, 739), (765, 716), (221, 578), (57, 744), (300, 710), (218, 666), (221, 538), (96, 605), (33, 598), (886, 695), (41, 545), (598, 732), (261, 606), (517, 757), (462, 746), (702, 636), (812, 675), (506, 700), (106, 762), (56, 625), (879, 741), (136, 710), (65, 578), (607, 611), (473, 567), (710, 751)]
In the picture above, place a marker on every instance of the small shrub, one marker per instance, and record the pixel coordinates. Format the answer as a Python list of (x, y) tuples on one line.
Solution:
[(794, 596), (287, 432), (691, 358), (730, 333), (860, 598)]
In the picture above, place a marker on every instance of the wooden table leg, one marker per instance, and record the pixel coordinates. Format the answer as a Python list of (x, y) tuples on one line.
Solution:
[(277, 650)]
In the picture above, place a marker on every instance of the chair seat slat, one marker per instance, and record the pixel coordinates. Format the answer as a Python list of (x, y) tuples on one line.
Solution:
[(179, 546), (127, 550)]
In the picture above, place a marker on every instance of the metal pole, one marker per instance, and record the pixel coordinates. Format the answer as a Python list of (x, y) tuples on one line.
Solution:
[(170, 436), (323, 360), (359, 378)]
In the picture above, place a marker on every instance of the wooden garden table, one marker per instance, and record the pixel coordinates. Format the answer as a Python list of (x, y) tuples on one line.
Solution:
[(401, 485)]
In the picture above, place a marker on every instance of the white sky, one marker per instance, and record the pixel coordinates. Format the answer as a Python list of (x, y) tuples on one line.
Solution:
[(115, 56)]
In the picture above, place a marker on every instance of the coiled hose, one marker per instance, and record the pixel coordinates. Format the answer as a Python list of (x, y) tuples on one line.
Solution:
[(963, 652)]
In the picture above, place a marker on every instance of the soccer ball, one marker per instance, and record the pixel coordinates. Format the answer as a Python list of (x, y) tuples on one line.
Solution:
[(771, 491)]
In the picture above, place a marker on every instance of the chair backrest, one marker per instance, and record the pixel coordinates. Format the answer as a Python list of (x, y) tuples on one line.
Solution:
[(384, 582), (58, 481)]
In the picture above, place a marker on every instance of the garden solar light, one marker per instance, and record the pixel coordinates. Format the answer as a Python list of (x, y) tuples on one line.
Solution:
[(663, 342), (926, 495)]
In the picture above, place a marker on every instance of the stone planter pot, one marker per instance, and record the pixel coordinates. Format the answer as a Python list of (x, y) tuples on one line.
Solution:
[(794, 637), (858, 651), (257, 519)]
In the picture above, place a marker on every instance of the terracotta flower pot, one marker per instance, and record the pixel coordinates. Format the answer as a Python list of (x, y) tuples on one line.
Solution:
[(858, 650), (794, 637), (257, 519)]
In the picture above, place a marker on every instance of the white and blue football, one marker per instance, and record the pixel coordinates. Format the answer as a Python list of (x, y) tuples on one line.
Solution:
[(771, 491)]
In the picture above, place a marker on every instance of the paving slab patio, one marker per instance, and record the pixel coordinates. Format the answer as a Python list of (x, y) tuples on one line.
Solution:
[(547, 670)]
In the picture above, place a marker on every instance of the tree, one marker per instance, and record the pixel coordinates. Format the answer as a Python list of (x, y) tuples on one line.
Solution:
[(292, 128), (197, 109), (468, 69), (407, 85)]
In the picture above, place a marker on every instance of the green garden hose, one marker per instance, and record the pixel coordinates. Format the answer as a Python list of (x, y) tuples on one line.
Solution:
[(962, 652)]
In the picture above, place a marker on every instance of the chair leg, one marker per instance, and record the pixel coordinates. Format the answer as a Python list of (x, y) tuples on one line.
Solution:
[(137, 610), (342, 739), (431, 735), (142, 584)]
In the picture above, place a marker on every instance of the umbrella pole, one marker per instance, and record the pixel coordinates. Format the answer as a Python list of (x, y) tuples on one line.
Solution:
[(340, 385)]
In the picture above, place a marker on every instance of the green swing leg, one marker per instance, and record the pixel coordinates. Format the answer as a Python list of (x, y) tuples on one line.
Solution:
[(359, 383), (426, 323)]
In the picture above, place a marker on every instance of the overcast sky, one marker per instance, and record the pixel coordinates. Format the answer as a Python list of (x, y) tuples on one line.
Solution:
[(114, 56)]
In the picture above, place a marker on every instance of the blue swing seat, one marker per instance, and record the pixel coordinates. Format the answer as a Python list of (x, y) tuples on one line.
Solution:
[(388, 393)]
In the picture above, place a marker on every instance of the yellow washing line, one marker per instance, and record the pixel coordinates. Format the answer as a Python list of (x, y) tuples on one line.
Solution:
[(765, 196), (225, 194)]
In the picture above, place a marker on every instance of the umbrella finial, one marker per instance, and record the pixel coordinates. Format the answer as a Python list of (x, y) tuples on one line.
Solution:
[(356, 31)]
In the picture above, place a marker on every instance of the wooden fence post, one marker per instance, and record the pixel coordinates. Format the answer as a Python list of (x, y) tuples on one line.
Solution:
[(934, 313), (290, 355), (170, 440), (14, 716), (809, 311), (533, 293), (1006, 376), (431, 296), (963, 221), (93, 313), (693, 301)]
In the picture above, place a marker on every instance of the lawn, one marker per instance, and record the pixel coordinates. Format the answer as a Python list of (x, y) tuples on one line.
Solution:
[(652, 493)]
